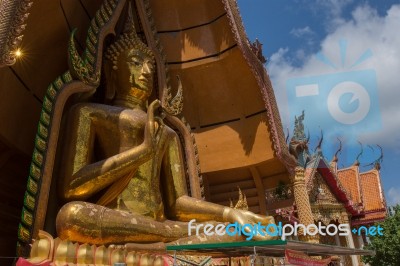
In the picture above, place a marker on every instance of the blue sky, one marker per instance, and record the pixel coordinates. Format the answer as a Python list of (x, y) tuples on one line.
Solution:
[(328, 42)]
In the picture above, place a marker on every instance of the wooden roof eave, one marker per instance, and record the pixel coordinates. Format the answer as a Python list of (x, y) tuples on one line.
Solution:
[(274, 122)]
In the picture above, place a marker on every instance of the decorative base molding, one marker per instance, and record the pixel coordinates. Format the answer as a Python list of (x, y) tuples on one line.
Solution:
[(49, 251)]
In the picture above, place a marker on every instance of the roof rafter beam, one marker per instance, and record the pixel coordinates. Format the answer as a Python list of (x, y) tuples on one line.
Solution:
[(260, 189)]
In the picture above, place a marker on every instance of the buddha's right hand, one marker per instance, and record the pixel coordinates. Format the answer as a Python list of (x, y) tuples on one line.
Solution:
[(246, 217), (154, 124)]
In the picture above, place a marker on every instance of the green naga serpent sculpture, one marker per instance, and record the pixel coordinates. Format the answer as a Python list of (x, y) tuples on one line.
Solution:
[(83, 77)]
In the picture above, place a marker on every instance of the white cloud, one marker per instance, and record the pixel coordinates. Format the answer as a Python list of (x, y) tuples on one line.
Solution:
[(331, 9), (394, 196), (365, 30), (334, 7), (300, 32)]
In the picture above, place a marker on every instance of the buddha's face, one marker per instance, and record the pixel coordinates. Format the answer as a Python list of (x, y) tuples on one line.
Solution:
[(135, 74)]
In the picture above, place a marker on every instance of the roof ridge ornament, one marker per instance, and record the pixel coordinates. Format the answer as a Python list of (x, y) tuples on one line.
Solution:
[(318, 149), (338, 151), (377, 163), (357, 162), (256, 47)]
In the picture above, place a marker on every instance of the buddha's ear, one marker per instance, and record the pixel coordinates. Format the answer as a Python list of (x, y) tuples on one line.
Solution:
[(110, 81), (110, 91)]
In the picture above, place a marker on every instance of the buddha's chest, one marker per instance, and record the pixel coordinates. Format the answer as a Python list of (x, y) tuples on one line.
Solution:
[(117, 132)]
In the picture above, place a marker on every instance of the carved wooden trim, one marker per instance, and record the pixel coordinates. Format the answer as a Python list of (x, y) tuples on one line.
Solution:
[(13, 14), (273, 119)]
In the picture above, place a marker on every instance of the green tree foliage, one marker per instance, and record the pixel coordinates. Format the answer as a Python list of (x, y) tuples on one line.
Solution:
[(387, 247)]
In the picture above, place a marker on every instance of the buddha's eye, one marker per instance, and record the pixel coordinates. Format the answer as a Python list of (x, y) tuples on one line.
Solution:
[(135, 61)]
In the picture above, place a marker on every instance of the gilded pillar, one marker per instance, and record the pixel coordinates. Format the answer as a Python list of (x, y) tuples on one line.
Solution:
[(303, 204)]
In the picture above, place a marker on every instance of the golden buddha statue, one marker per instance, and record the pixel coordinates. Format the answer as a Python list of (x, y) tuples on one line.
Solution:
[(121, 173), (129, 154)]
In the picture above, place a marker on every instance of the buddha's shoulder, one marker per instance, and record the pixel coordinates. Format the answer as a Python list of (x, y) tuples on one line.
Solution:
[(103, 111)]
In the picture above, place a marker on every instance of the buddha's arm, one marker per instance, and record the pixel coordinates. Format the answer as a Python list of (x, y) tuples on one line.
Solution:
[(82, 179), (94, 177), (179, 205)]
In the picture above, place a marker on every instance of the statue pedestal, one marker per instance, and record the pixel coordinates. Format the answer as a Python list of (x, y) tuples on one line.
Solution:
[(47, 251)]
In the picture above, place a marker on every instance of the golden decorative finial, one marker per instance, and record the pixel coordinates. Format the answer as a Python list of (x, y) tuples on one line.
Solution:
[(173, 106), (242, 202)]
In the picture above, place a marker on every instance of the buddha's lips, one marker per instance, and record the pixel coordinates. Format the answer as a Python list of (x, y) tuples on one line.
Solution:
[(143, 80)]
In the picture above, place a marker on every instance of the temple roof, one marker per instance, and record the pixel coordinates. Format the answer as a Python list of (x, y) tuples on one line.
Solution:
[(372, 191), (349, 178), (318, 163), (365, 189), (361, 193), (372, 198)]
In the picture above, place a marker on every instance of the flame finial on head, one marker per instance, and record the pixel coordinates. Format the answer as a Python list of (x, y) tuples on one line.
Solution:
[(127, 40)]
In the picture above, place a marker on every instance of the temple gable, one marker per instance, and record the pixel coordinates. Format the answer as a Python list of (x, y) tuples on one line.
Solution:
[(320, 193)]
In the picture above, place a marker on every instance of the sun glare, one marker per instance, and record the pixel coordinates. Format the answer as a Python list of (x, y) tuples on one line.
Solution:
[(18, 53)]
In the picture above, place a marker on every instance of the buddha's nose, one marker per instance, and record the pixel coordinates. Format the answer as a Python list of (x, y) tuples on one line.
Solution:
[(146, 69)]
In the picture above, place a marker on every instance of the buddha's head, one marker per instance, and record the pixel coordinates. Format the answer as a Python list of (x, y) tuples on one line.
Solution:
[(129, 70)]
